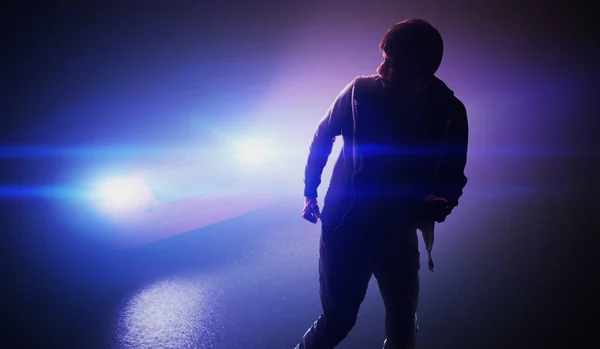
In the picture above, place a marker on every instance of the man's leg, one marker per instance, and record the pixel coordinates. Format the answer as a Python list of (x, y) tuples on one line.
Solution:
[(345, 267), (397, 273)]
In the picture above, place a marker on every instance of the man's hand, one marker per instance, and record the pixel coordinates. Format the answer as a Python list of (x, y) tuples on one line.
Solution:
[(311, 210), (436, 208)]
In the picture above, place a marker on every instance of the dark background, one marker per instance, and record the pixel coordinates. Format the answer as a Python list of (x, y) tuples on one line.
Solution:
[(77, 75)]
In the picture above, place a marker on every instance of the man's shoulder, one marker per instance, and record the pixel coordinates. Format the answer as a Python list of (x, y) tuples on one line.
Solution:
[(457, 108), (367, 79), (373, 77), (448, 98), (366, 84), (456, 105)]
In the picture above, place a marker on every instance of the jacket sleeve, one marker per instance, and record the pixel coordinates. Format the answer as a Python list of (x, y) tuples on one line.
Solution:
[(451, 178), (321, 146)]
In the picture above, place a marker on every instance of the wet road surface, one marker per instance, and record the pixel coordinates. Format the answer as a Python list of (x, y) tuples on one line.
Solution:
[(251, 282)]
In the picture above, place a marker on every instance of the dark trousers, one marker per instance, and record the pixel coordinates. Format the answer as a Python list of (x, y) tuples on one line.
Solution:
[(366, 245)]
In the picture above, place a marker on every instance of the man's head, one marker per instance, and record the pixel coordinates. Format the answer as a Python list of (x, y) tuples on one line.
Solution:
[(412, 52)]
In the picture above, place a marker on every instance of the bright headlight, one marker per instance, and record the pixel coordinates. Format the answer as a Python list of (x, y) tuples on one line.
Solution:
[(122, 192), (254, 151)]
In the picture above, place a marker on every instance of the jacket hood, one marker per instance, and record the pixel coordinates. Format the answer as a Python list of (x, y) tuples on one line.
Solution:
[(439, 88)]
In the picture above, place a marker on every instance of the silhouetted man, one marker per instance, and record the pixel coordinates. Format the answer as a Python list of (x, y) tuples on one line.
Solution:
[(400, 170)]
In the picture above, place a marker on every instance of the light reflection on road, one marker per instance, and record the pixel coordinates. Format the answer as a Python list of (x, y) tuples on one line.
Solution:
[(171, 313)]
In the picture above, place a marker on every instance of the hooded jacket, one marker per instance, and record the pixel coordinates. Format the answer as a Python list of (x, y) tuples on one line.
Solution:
[(425, 141)]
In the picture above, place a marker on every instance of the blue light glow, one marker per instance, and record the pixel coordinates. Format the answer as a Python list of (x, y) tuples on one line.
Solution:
[(122, 193)]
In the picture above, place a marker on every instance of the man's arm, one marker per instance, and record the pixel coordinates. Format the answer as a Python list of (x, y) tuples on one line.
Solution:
[(451, 178), (322, 143)]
